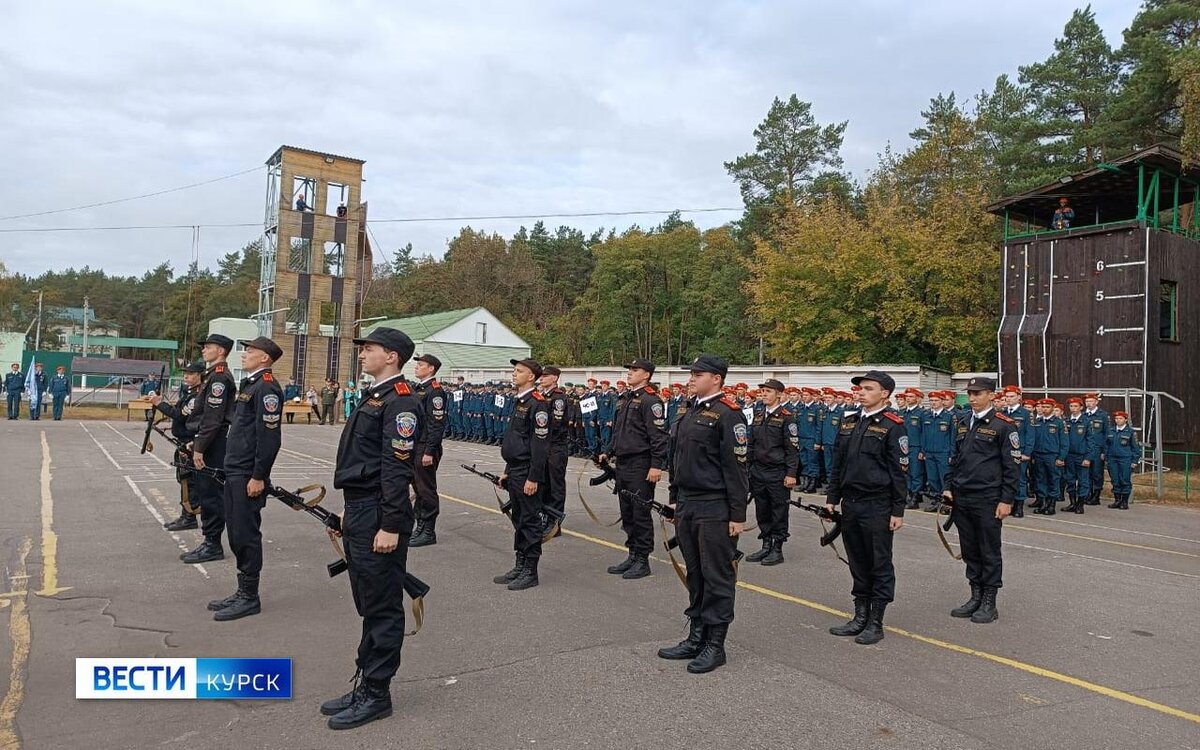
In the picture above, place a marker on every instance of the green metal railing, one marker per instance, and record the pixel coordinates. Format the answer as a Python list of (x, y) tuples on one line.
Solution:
[(1180, 480)]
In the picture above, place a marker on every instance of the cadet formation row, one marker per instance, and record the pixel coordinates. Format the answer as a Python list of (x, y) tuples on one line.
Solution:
[(721, 452)]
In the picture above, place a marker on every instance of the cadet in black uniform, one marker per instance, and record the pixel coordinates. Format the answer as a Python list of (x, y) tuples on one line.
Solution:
[(526, 454), (376, 464), (774, 465), (253, 445), (869, 481), (184, 422), (982, 482), (433, 401), (214, 407), (560, 450), (709, 489), (639, 445)]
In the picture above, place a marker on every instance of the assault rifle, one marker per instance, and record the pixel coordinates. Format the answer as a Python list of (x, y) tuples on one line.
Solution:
[(826, 515), (506, 507)]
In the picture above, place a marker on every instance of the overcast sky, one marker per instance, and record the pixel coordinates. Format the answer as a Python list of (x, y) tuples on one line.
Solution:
[(462, 109)]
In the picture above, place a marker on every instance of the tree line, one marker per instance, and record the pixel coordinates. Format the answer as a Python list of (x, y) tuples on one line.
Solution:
[(820, 268)]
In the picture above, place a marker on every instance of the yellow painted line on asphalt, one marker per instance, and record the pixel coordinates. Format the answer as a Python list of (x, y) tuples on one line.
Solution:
[(1033, 669), (20, 635), (1131, 545), (49, 537)]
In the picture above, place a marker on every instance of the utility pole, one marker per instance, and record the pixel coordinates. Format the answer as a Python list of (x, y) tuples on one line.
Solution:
[(85, 326), (37, 340)]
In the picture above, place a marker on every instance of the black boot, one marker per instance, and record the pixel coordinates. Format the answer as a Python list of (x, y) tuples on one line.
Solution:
[(987, 608), (1074, 501), (1093, 497), (422, 535), (713, 653), (183, 523), (862, 609), (335, 706), (873, 633), (622, 566), (1036, 505), (1079, 503), (527, 578), (968, 608), (639, 569), (374, 703), (935, 502), (1018, 510), (1048, 508), (218, 604), (776, 555), (912, 502), (206, 552), (689, 647), (512, 574), (758, 556), (245, 602)]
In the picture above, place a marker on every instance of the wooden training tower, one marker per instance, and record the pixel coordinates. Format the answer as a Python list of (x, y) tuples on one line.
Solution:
[(316, 263)]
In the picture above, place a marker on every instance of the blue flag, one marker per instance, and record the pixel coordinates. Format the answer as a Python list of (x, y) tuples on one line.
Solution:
[(31, 386)]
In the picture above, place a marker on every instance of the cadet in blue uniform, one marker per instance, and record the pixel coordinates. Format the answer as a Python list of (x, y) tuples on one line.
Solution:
[(1122, 452), (1083, 450), (914, 418), (831, 422), (14, 386), (1098, 424), (607, 401), (60, 390), (254, 442), (291, 394), (1026, 435), (591, 426), (37, 398), (1049, 457), (808, 419), (937, 440)]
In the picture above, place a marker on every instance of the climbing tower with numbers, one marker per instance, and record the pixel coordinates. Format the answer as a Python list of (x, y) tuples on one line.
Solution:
[(1101, 290), (316, 263)]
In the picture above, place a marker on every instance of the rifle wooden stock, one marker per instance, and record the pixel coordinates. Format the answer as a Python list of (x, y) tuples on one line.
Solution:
[(820, 512)]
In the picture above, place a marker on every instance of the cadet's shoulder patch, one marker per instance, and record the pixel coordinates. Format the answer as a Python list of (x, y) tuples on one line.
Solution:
[(219, 368), (267, 377), (650, 389), (538, 396), (730, 403), (783, 412), (402, 388), (893, 416), (1004, 417), (434, 383)]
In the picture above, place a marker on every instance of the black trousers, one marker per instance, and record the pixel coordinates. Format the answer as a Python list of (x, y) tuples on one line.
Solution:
[(210, 496), (377, 585), (526, 514), (635, 517), (708, 551), (427, 504), (556, 492), (869, 549), (243, 519), (770, 502), (979, 538)]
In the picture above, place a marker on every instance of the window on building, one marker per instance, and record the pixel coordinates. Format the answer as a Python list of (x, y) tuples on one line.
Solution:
[(300, 255), (1168, 311), (331, 318), (334, 259), (481, 333), (297, 316)]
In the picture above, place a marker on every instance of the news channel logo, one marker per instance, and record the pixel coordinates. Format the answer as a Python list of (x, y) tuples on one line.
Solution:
[(183, 679)]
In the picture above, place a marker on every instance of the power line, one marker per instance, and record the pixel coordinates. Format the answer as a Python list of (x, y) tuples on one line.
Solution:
[(402, 220), (132, 197)]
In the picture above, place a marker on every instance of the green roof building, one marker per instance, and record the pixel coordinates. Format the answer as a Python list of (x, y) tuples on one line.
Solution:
[(466, 341)]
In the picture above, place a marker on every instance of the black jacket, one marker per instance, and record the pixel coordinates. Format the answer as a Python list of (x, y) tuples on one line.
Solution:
[(526, 445), (215, 407), (775, 441), (986, 461), (640, 426), (433, 401), (184, 420), (872, 461), (254, 437), (709, 459), (376, 450)]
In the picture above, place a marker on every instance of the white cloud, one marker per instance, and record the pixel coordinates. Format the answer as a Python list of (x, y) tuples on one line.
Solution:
[(463, 109)]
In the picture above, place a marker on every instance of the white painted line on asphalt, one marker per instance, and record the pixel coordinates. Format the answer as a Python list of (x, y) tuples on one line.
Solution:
[(298, 454), (103, 450), (158, 517), (1123, 531), (135, 445)]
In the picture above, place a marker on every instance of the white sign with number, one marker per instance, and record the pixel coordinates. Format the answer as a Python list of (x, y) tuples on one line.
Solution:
[(588, 405), (748, 413), (500, 401), (458, 395)]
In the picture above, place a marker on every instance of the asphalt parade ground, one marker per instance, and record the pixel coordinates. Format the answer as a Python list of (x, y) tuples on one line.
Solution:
[(1097, 645)]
